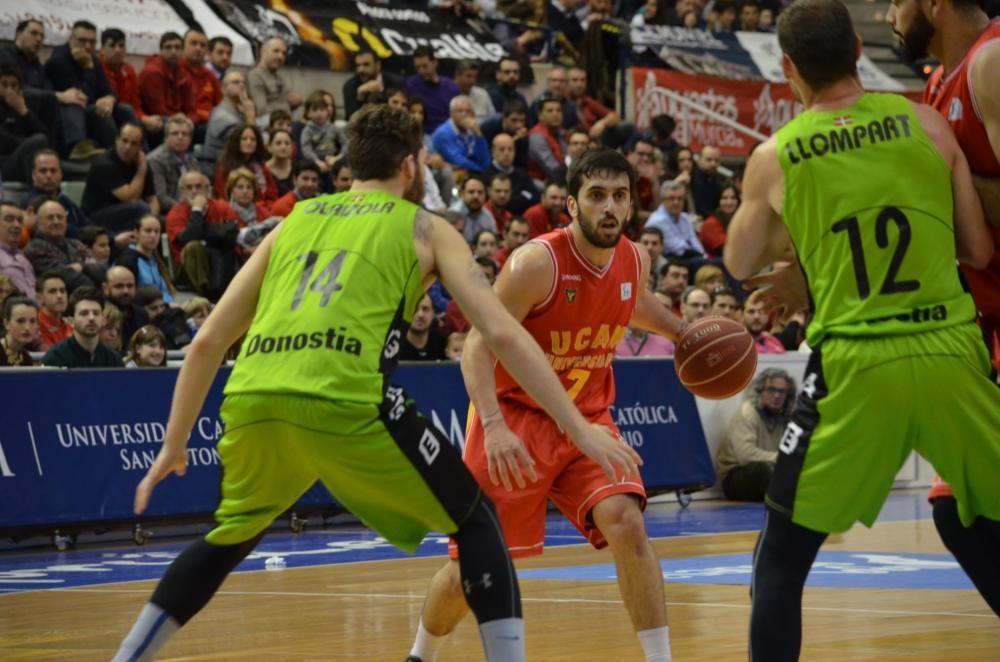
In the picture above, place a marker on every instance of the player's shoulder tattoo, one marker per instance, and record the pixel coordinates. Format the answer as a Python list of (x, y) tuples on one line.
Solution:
[(423, 225)]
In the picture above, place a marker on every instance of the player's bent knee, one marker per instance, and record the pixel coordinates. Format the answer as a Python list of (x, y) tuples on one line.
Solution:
[(622, 523)]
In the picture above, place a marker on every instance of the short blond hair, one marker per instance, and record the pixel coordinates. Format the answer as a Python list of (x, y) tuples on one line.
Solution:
[(195, 305), (237, 175)]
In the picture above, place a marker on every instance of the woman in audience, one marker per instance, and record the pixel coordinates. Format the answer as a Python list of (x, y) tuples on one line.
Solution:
[(710, 278), (245, 149), (143, 258), (282, 149), (111, 332), (713, 230), (147, 349), (241, 194), (20, 317)]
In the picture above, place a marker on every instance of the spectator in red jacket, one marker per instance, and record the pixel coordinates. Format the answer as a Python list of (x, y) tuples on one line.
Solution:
[(245, 148), (515, 236), (164, 86), (124, 81), (713, 230), (205, 87), (203, 236), (550, 213), (241, 191), (498, 197)]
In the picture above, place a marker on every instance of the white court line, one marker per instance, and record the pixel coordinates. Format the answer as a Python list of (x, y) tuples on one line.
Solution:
[(412, 557), (413, 597)]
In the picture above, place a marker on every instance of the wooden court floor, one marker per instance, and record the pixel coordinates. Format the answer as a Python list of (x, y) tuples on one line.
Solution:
[(368, 611)]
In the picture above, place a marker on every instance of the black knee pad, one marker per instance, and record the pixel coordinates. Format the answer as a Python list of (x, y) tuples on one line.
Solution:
[(488, 579)]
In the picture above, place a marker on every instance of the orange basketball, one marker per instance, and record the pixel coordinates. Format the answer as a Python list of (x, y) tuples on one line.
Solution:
[(715, 358)]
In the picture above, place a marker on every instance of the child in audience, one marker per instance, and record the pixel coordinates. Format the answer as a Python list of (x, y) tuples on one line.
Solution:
[(322, 142), (98, 243), (196, 310), (147, 349), (453, 350)]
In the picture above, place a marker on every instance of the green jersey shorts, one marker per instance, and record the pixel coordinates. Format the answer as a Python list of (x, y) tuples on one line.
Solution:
[(386, 464), (866, 403)]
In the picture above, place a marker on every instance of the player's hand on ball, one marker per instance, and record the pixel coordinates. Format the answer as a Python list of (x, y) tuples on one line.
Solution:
[(602, 446), (506, 455), (785, 288), (168, 461)]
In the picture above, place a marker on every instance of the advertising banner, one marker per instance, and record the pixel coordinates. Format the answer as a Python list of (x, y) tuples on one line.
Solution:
[(142, 21), (766, 54), (695, 52), (760, 105), (324, 34), (75, 444)]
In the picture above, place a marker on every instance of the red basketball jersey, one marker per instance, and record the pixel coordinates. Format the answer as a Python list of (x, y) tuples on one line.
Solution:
[(581, 321), (952, 96)]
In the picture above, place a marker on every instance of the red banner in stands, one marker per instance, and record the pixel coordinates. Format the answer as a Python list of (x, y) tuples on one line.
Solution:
[(759, 105)]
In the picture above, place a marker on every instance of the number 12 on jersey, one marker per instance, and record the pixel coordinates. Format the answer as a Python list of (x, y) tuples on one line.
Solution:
[(853, 229), (325, 282)]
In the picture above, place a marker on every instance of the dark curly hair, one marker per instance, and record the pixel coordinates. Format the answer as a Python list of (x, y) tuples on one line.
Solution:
[(380, 138)]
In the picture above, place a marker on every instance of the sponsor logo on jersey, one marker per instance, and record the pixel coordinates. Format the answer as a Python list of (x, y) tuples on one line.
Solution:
[(570, 295), (429, 447), (955, 110), (337, 340), (576, 277), (354, 207), (843, 120), (626, 291)]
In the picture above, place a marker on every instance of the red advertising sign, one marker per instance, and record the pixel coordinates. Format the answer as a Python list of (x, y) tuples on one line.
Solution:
[(759, 105)]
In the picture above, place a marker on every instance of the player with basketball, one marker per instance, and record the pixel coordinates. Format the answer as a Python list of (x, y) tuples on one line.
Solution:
[(964, 89), (324, 303), (876, 197), (576, 290)]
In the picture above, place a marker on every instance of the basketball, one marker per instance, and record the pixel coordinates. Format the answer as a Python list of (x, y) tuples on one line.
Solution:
[(715, 358)]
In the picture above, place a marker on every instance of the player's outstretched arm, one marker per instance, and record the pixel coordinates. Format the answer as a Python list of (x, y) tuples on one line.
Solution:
[(506, 454), (973, 243), (987, 94), (522, 285), (443, 252), (756, 236), (228, 321), (652, 315)]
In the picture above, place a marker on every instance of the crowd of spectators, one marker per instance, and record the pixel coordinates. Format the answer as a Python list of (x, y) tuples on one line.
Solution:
[(188, 162)]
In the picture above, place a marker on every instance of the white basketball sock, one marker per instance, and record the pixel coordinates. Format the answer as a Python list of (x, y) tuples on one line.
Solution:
[(656, 644), (426, 645)]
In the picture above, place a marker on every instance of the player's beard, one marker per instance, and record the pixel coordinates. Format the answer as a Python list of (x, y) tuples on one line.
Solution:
[(592, 232), (916, 41), (415, 191)]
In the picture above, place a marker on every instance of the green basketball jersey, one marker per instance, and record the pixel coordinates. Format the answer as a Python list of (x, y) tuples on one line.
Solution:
[(340, 288), (868, 205)]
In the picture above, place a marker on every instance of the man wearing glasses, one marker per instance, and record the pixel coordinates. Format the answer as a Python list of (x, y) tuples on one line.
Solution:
[(202, 233), (747, 455)]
